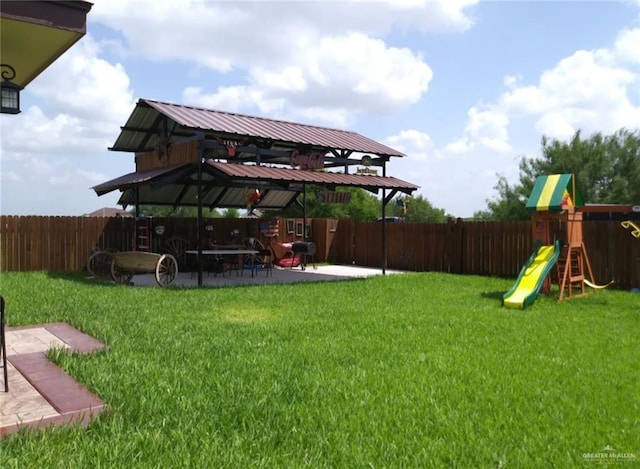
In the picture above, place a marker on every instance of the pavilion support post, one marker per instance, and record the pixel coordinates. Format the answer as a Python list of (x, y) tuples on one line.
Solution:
[(383, 225), (136, 219), (304, 212), (199, 226), (136, 193)]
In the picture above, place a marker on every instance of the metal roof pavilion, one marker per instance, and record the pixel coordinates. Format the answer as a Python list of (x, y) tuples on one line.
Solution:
[(206, 158)]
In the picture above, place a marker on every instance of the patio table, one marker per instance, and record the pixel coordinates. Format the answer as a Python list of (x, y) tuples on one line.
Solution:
[(228, 252)]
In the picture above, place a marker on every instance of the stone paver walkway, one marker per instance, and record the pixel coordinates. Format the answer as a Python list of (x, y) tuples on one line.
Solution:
[(40, 393)]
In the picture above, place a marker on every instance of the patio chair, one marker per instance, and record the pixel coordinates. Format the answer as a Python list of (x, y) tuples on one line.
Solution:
[(234, 262), (265, 259), (3, 347)]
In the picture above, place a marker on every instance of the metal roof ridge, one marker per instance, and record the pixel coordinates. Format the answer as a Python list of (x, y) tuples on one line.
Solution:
[(249, 116)]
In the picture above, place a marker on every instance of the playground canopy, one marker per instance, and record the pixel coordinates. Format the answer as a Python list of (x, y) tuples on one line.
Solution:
[(552, 192)]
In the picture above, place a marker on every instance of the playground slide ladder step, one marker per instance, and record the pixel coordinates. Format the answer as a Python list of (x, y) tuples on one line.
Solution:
[(571, 262)]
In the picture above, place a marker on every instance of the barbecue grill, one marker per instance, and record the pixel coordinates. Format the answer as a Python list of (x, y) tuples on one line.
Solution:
[(304, 250)]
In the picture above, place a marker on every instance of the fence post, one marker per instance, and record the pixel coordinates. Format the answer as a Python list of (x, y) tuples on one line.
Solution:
[(455, 245)]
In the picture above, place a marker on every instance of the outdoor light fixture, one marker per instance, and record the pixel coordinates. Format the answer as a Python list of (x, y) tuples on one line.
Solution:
[(10, 92)]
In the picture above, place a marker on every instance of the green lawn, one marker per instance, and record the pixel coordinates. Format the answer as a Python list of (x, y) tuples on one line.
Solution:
[(414, 370)]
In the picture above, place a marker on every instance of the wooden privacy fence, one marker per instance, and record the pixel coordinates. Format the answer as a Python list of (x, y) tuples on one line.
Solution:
[(481, 248), (64, 244), (472, 248)]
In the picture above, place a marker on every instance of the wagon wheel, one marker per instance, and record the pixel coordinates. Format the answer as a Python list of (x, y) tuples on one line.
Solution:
[(120, 276), (256, 245), (166, 270), (177, 247), (99, 264)]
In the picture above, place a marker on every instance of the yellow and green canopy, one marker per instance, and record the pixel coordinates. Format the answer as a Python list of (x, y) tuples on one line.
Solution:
[(553, 191)]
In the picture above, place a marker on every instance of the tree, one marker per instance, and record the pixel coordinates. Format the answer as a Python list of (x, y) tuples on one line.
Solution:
[(230, 213), (363, 206), (169, 211), (509, 205), (607, 170), (417, 209)]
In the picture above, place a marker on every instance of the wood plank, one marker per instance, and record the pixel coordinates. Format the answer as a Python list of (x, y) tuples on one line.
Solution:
[(136, 261)]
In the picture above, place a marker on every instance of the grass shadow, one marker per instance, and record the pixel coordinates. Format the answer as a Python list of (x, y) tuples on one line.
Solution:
[(492, 295), (81, 278)]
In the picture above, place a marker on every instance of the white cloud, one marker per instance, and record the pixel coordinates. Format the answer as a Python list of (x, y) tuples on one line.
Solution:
[(359, 73), (227, 34), (83, 84), (627, 45), (299, 59), (485, 127), (588, 90), (418, 143), (71, 114), (82, 101), (594, 90), (523, 101), (460, 183), (229, 98)]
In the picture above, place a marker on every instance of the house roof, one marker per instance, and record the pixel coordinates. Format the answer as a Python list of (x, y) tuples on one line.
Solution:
[(109, 212), (34, 34), (228, 185), (554, 192)]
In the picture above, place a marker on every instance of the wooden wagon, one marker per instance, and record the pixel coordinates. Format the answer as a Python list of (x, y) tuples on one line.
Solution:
[(128, 263)]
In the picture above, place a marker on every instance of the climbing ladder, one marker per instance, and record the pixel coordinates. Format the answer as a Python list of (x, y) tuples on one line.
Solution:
[(570, 270), (142, 240), (573, 266)]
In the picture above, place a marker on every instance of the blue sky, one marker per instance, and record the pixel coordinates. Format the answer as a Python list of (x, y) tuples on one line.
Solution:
[(465, 88)]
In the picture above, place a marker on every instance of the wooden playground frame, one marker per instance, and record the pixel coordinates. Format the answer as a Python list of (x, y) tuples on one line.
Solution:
[(573, 267)]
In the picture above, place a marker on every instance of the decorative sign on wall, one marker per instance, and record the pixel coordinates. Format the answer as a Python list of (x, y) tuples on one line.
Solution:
[(369, 171), (270, 228), (310, 160), (231, 146)]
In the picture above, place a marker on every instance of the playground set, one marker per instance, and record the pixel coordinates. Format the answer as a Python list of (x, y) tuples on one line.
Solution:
[(554, 197)]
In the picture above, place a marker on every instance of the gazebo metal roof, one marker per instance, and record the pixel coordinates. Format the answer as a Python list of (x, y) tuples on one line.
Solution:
[(226, 185), (141, 131)]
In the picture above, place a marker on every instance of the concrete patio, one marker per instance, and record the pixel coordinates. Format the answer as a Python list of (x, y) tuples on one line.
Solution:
[(280, 275)]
